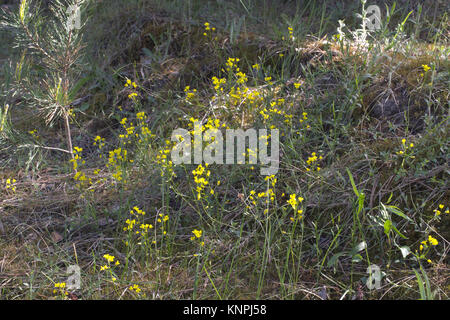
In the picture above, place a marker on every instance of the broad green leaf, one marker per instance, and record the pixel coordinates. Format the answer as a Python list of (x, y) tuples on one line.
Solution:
[(355, 190), (387, 226), (335, 258), (398, 212), (423, 296)]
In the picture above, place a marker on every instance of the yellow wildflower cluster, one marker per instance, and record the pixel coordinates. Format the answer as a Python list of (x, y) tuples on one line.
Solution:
[(109, 259), (10, 184), (135, 212), (130, 224), (210, 129), (135, 288), (163, 220), (201, 175), (276, 110), (291, 33), (119, 157), (238, 95), (305, 117), (71, 113), (138, 220), (190, 94), (405, 148), (116, 159), (231, 65), (426, 68), (133, 94), (80, 176), (208, 29), (130, 132), (162, 158), (145, 132), (118, 154), (425, 247), (76, 158), (198, 236), (264, 197), (84, 181), (233, 91), (99, 141), (145, 227), (34, 134), (218, 84), (268, 80), (129, 83), (312, 162), (295, 201), (304, 120), (438, 210), (60, 288)]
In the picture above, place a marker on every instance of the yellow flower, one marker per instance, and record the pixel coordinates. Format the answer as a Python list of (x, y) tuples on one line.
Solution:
[(432, 241), (293, 201), (425, 67), (197, 233), (135, 288), (109, 258), (10, 184)]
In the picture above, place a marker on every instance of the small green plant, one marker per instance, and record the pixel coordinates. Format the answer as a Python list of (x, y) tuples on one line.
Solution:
[(424, 285), (48, 75)]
